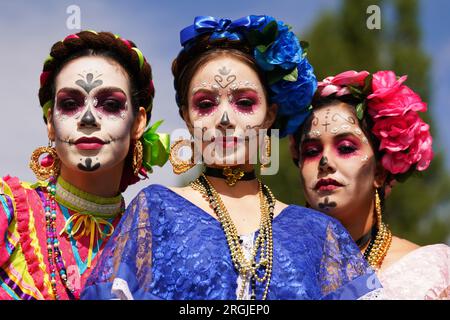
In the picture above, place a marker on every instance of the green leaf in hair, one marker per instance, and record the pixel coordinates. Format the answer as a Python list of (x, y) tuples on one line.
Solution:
[(254, 37), (360, 110), (367, 84), (261, 48), (275, 75), (293, 76), (304, 45), (270, 32), (355, 91)]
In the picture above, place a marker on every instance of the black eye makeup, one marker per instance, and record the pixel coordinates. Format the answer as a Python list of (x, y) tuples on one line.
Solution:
[(111, 101), (347, 145), (205, 102), (69, 101), (107, 101), (311, 149), (245, 101)]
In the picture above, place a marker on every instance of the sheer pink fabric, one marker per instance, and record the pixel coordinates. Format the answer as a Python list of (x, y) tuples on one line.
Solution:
[(423, 274)]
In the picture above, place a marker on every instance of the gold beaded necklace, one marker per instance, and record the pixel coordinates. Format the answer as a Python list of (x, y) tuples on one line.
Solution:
[(248, 269), (379, 246)]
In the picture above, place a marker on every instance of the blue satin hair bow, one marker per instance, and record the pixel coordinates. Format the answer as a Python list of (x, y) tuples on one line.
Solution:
[(220, 28)]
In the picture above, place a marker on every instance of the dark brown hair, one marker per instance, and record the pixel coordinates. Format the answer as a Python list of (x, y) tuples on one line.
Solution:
[(203, 50)]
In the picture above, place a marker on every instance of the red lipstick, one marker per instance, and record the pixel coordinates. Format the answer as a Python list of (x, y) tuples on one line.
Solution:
[(327, 185), (89, 143)]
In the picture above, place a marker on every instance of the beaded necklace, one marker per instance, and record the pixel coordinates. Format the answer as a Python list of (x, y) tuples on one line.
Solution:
[(55, 260), (248, 269), (91, 226)]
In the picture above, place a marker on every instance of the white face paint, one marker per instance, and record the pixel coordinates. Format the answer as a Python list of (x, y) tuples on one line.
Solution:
[(226, 98), (92, 114), (337, 164)]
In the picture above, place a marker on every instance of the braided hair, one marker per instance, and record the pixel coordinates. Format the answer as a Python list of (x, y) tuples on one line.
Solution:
[(106, 44), (110, 46)]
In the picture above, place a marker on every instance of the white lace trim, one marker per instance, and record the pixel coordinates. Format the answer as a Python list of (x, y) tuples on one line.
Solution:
[(121, 290), (247, 247), (377, 294)]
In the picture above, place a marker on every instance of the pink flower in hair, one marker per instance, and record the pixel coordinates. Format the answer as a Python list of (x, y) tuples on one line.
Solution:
[(339, 83), (396, 162), (397, 133), (385, 83), (404, 137), (421, 151), (398, 102), (406, 140)]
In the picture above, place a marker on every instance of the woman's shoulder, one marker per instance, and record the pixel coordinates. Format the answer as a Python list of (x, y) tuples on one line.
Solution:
[(309, 216), (307, 224), (17, 200), (152, 204), (423, 273), (439, 253), (157, 191), (16, 195)]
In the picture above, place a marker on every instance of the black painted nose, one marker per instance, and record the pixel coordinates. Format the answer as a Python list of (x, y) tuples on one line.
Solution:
[(88, 119), (225, 121)]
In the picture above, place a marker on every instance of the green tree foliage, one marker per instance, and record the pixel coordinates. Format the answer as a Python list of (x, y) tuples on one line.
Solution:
[(417, 209)]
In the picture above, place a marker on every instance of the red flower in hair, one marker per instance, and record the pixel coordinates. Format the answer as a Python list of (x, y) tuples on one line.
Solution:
[(404, 137)]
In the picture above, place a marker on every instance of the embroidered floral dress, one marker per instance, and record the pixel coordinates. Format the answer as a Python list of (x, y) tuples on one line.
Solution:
[(84, 220), (165, 247)]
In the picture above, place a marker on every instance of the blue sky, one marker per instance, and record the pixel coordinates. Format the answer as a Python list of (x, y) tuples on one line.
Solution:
[(29, 28)]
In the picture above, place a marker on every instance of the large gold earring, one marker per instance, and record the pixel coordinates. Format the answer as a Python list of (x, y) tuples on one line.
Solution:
[(179, 165), (267, 152), (49, 166), (138, 154), (378, 209)]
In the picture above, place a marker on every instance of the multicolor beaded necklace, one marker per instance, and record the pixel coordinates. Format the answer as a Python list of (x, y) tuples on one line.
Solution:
[(65, 195), (55, 260)]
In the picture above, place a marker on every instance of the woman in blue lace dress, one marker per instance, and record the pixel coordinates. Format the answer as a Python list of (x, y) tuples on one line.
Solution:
[(240, 84)]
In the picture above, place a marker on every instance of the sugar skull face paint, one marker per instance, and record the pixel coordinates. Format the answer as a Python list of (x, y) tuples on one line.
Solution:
[(225, 99), (337, 164), (92, 115)]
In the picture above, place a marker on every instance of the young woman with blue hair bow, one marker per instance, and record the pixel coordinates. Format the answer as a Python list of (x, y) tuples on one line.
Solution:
[(225, 235)]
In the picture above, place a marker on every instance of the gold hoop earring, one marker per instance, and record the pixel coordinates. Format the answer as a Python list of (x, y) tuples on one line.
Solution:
[(138, 154), (267, 152), (179, 165), (50, 164)]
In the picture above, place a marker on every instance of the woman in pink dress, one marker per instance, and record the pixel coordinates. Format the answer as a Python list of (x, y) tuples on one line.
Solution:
[(364, 134), (96, 95)]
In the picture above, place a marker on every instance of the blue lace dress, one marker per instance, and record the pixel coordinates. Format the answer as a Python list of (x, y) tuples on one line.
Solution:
[(165, 247)]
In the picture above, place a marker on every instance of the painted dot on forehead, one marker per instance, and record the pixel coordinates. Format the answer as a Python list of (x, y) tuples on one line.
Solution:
[(314, 134), (341, 128)]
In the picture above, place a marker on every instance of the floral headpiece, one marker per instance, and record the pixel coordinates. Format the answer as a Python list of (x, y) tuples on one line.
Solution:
[(405, 138), (277, 51)]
